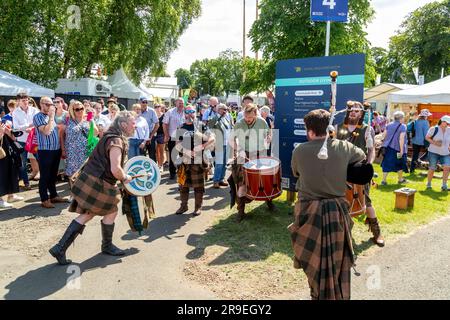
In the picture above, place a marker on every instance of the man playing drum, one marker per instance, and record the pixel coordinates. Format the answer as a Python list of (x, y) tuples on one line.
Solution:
[(249, 141), (193, 137), (356, 132), (95, 192), (321, 234)]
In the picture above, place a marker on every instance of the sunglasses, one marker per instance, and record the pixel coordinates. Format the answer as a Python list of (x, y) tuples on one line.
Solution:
[(144, 102), (189, 111), (48, 104), (78, 109)]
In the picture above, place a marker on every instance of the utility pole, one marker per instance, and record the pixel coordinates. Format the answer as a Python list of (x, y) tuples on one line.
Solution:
[(243, 42)]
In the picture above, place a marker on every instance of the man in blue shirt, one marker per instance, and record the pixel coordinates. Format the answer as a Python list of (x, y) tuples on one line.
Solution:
[(149, 114), (419, 129), (49, 152)]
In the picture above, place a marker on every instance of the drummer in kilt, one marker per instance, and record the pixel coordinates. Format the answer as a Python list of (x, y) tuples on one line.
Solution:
[(94, 189), (361, 135), (193, 138), (250, 140), (321, 233)]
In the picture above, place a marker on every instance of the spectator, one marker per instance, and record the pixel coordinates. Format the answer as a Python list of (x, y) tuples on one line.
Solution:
[(221, 126), (115, 99), (418, 129), (86, 104), (211, 112), (137, 143), (23, 121), (160, 145), (439, 150), (101, 121), (265, 114), (379, 123), (149, 114), (113, 110), (49, 152), (173, 119), (9, 168), (396, 146), (247, 100), (12, 104), (101, 102)]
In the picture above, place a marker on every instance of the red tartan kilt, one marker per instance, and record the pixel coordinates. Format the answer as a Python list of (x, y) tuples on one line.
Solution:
[(94, 195)]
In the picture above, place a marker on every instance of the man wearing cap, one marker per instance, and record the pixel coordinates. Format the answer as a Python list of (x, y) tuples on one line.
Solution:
[(362, 136), (221, 125), (418, 129), (149, 114), (439, 150), (23, 121)]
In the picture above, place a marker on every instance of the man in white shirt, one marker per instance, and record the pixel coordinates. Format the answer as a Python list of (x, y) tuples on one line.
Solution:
[(212, 110), (149, 114), (23, 121), (173, 119), (439, 150)]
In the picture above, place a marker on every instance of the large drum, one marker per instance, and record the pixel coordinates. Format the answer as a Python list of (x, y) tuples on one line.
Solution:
[(146, 176), (356, 199), (263, 178)]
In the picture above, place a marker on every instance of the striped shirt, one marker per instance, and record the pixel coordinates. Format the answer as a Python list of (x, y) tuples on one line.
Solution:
[(50, 142)]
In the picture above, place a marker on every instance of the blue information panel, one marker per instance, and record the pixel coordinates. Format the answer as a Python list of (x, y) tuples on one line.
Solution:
[(302, 85), (329, 10)]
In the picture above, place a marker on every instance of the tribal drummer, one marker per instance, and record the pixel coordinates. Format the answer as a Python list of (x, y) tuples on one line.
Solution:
[(361, 135), (95, 192), (321, 234), (250, 140), (193, 138)]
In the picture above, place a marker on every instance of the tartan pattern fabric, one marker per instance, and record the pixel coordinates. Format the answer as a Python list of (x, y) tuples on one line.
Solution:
[(237, 171), (195, 176), (130, 208), (322, 244), (93, 195)]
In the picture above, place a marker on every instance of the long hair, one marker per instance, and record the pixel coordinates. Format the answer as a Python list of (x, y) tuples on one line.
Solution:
[(116, 126)]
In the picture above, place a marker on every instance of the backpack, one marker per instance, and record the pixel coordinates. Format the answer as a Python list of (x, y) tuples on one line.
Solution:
[(426, 143)]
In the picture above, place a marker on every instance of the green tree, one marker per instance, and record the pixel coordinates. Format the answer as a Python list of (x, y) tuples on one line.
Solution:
[(184, 78), (423, 42), (284, 31), (44, 39)]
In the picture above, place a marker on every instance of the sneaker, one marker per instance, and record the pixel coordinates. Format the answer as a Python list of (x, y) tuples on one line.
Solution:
[(5, 205), (15, 198), (402, 181), (383, 183), (444, 188), (428, 185), (216, 185)]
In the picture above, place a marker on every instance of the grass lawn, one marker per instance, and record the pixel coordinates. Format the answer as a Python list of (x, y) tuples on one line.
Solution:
[(253, 259)]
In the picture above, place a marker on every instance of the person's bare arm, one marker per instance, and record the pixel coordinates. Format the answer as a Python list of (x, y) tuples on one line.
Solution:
[(115, 155), (402, 141)]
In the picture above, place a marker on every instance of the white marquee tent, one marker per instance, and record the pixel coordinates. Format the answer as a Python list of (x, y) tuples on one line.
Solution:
[(436, 92), (123, 87), (11, 85)]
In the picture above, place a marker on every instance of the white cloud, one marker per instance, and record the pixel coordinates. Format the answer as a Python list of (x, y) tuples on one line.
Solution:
[(220, 27)]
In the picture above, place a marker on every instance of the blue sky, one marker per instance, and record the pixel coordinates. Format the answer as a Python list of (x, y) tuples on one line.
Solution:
[(220, 27)]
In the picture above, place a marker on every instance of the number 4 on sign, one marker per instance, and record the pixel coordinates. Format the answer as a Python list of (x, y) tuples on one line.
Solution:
[(330, 3)]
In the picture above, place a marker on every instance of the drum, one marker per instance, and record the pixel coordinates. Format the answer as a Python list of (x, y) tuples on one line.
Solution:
[(263, 178), (356, 199), (147, 176)]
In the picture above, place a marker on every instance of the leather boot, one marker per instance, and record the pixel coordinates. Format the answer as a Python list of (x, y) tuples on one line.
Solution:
[(271, 206), (107, 246), (241, 209), (184, 195), (375, 228), (198, 203), (58, 251)]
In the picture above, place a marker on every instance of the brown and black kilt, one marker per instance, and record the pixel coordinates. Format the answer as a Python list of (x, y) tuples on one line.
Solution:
[(195, 177), (94, 195), (321, 239)]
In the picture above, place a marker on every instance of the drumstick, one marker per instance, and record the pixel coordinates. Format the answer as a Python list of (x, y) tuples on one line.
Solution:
[(140, 175)]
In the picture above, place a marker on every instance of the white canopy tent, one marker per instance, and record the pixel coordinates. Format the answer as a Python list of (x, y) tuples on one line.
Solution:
[(11, 85), (436, 92), (162, 87), (123, 87)]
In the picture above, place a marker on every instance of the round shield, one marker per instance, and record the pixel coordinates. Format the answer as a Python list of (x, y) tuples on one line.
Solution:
[(147, 176)]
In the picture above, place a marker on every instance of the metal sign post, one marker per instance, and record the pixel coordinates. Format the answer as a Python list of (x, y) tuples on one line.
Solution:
[(327, 44)]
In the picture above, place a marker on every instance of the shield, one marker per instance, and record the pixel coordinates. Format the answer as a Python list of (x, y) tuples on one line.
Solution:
[(146, 176)]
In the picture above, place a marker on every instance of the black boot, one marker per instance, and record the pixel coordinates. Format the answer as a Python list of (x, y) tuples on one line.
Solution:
[(107, 245), (376, 231), (198, 203), (58, 251), (271, 206), (241, 209), (184, 195)]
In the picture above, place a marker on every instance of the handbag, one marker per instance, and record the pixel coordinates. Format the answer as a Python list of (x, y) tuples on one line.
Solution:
[(31, 144)]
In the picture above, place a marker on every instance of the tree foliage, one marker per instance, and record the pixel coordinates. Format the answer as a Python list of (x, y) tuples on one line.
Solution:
[(423, 42), (284, 31), (43, 39)]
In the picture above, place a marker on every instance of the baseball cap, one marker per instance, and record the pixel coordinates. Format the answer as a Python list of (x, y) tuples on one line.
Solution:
[(141, 99), (446, 119)]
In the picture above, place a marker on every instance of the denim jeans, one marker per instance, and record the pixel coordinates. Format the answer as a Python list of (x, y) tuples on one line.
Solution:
[(48, 166), (133, 148), (220, 165), (23, 170)]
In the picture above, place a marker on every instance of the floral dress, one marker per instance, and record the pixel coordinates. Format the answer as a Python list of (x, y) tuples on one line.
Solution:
[(76, 145)]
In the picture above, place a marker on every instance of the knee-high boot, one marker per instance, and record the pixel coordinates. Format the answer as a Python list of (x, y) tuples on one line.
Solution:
[(375, 228), (58, 251), (198, 202), (107, 246), (241, 208), (184, 195)]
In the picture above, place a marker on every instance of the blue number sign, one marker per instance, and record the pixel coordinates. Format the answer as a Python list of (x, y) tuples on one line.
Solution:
[(329, 10)]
